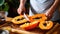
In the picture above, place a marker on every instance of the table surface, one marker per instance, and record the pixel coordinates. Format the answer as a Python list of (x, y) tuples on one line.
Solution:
[(54, 30)]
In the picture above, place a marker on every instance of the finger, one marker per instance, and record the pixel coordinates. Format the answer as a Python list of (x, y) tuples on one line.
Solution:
[(46, 13), (18, 10)]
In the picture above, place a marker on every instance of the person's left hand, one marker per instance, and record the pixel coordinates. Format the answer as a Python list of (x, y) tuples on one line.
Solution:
[(48, 14)]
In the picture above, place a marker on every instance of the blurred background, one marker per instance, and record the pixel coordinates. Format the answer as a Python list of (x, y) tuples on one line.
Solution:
[(9, 7)]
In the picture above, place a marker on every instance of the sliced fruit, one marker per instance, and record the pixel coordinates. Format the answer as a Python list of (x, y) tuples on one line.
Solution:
[(28, 26), (45, 25)]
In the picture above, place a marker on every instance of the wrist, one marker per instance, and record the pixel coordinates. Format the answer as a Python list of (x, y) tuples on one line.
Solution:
[(22, 4)]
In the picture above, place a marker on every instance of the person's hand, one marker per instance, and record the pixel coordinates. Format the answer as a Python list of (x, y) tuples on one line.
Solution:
[(48, 14), (21, 9)]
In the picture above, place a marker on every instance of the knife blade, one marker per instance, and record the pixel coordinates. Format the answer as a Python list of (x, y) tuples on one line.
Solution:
[(26, 17)]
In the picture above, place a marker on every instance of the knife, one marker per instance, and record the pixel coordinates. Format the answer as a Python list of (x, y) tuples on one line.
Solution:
[(26, 17)]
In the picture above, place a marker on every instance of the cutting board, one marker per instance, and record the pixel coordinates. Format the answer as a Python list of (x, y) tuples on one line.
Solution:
[(54, 30)]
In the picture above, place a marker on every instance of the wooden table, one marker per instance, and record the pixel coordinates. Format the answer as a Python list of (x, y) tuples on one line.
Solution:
[(54, 30)]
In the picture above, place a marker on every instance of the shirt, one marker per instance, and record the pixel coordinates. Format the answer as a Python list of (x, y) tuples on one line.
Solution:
[(40, 6)]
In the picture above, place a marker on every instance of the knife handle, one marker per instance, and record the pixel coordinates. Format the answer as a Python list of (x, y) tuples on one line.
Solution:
[(22, 12)]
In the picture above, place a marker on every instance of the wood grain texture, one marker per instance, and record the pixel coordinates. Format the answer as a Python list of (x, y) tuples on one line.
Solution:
[(54, 30)]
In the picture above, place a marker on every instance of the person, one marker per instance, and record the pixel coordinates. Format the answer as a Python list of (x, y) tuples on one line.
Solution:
[(47, 7)]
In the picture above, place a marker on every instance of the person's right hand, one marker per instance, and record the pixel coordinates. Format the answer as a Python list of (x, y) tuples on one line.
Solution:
[(21, 9)]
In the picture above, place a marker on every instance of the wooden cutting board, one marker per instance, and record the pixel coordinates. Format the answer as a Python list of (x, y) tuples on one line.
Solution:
[(54, 30)]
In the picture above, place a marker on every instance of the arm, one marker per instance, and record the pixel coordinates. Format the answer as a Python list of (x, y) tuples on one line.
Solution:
[(51, 10), (21, 7), (59, 7), (22, 2)]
